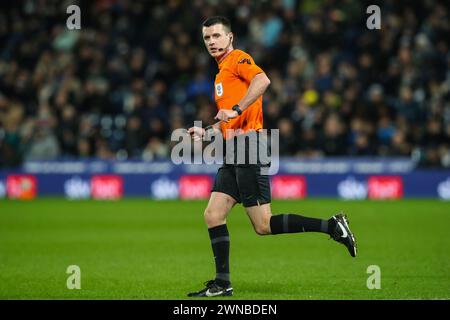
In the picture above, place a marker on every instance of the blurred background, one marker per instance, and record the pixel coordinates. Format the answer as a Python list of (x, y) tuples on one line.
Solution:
[(137, 70)]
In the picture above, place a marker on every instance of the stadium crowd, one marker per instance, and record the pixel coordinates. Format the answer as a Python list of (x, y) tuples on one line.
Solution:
[(137, 70)]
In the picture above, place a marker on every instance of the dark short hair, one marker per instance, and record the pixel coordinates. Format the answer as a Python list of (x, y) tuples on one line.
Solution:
[(217, 20)]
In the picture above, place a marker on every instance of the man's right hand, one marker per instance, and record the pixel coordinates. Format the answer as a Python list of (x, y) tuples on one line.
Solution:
[(196, 133)]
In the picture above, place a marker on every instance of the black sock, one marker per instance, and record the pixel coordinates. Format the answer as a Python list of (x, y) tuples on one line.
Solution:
[(220, 242), (293, 223)]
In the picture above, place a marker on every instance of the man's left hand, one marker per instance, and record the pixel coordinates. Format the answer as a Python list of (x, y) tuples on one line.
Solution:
[(226, 115)]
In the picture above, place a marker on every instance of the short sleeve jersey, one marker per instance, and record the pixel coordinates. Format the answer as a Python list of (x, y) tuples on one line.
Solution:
[(236, 71)]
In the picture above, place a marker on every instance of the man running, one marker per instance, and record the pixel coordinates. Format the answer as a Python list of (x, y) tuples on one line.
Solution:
[(239, 87)]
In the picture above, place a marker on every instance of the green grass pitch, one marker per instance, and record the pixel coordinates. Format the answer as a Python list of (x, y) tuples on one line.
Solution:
[(144, 249)]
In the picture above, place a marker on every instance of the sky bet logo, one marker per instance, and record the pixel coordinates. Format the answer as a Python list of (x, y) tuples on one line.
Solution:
[(195, 186), (288, 187), (2, 189), (77, 188), (443, 189), (107, 187), (164, 188), (385, 187), (352, 189)]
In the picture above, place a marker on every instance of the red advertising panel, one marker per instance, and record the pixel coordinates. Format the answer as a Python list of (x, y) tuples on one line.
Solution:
[(195, 186), (107, 187), (385, 187), (20, 186), (288, 187)]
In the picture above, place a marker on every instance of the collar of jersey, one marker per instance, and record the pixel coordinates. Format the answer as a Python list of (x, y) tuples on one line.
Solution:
[(221, 62)]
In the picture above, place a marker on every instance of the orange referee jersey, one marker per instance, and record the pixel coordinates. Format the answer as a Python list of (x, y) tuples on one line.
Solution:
[(236, 72)]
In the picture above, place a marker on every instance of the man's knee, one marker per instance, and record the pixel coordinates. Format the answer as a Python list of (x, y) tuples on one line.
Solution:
[(213, 217), (262, 228)]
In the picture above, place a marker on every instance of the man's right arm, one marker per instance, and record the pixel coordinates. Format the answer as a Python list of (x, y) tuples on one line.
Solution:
[(197, 133)]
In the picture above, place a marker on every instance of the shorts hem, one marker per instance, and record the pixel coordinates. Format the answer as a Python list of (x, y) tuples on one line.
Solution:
[(252, 204), (233, 196)]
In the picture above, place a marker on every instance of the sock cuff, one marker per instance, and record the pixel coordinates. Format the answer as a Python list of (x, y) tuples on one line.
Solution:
[(218, 231), (324, 226), (278, 223), (224, 277)]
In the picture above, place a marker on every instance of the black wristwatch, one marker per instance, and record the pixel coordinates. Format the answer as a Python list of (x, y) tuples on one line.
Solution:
[(237, 109)]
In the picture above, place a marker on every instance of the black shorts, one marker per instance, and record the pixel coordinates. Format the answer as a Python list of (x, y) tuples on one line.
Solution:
[(244, 183)]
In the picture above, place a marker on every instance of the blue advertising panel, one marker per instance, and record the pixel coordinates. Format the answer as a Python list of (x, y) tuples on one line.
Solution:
[(344, 178)]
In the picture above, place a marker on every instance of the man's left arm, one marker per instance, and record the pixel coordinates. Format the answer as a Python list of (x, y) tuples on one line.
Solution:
[(257, 87)]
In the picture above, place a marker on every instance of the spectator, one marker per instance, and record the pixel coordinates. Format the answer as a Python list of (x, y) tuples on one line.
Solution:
[(332, 140), (43, 146)]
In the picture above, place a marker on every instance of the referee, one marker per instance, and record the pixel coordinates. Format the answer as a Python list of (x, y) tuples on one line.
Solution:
[(239, 87)]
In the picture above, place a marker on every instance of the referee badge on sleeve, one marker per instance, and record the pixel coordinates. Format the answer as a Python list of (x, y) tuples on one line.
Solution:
[(219, 89)]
